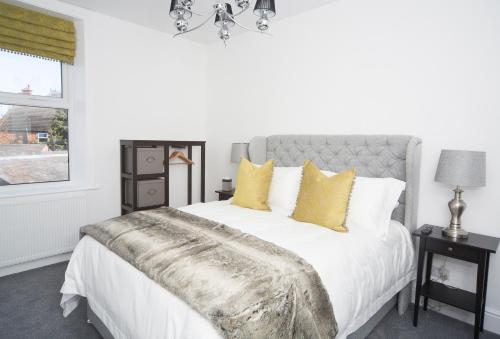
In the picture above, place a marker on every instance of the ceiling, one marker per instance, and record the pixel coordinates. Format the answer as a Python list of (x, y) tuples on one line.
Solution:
[(154, 13)]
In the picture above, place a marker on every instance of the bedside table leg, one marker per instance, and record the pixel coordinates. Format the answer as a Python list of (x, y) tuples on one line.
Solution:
[(418, 289), (428, 272), (481, 270), (485, 289)]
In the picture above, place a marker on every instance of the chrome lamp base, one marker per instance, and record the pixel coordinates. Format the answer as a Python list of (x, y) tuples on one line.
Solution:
[(456, 233), (457, 207)]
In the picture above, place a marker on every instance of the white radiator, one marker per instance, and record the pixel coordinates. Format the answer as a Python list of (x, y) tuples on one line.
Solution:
[(38, 227)]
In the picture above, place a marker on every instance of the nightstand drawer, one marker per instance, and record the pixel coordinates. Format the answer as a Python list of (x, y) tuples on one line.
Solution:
[(452, 250)]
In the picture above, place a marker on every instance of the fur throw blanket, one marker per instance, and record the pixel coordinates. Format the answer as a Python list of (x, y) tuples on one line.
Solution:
[(246, 287)]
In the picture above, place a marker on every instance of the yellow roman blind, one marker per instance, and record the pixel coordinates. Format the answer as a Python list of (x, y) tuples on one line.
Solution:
[(30, 32)]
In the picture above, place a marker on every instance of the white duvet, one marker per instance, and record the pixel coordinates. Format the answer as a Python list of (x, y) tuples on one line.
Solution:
[(360, 272)]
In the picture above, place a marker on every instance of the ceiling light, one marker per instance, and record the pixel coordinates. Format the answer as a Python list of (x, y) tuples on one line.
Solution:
[(181, 11)]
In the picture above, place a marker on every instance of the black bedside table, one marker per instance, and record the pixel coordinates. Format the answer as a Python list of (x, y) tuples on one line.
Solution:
[(476, 249), (225, 195)]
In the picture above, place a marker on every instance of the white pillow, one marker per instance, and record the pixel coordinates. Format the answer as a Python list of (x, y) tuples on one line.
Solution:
[(372, 202), (285, 186)]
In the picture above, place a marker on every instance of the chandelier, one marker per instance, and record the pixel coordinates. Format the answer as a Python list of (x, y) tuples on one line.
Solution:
[(225, 19)]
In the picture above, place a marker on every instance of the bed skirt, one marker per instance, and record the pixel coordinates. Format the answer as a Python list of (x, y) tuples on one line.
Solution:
[(402, 300)]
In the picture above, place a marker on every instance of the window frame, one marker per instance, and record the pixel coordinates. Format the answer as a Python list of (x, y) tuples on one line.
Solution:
[(63, 102)]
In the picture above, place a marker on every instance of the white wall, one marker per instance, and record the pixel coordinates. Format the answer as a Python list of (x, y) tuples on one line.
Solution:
[(426, 68), (140, 85), (132, 83)]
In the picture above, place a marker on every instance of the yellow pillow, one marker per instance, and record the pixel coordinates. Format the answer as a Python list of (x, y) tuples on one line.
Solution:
[(324, 200), (252, 185)]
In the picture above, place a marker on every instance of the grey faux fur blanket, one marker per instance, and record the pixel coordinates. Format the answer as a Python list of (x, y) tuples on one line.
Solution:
[(246, 287)]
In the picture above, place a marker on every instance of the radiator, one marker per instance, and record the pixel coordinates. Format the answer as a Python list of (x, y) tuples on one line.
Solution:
[(38, 227)]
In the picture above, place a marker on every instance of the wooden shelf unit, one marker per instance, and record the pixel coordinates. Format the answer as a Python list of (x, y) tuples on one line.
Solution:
[(134, 177), (477, 249)]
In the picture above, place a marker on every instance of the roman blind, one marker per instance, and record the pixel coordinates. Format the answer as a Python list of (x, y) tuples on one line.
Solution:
[(30, 32)]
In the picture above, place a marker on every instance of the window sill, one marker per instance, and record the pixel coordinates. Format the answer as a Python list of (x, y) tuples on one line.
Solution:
[(8, 192)]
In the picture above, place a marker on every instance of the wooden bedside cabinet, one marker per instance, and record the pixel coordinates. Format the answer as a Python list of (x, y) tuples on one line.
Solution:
[(475, 249)]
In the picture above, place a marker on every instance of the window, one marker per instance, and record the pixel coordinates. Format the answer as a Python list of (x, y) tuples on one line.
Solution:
[(34, 111), (29, 75), (42, 137)]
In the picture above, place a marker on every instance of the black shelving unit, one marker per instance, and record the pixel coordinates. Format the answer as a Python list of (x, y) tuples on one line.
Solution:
[(476, 249), (134, 177)]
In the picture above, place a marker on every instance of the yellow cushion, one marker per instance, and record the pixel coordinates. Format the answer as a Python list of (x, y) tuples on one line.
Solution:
[(324, 200), (252, 185)]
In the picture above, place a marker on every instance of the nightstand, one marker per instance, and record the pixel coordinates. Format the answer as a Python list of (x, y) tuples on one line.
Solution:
[(225, 195), (475, 249)]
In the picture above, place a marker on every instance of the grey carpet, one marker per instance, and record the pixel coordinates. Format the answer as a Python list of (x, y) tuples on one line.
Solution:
[(431, 325), (29, 308)]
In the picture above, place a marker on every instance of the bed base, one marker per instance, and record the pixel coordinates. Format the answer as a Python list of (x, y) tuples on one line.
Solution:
[(368, 327), (93, 319), (361, 333)]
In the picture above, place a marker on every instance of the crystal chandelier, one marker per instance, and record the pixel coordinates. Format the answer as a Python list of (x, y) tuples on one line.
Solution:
[(225, 19)]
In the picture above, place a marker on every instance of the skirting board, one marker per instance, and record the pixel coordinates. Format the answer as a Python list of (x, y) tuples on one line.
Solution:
[(491, 316), (492, 320), (30, 265)]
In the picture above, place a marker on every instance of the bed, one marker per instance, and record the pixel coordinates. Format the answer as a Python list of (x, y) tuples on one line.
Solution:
[(372, 278)]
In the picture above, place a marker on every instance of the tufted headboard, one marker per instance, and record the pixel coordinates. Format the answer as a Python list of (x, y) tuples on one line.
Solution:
[(376, 156)]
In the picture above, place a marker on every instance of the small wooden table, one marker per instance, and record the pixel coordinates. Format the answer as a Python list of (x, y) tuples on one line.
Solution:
[(225, 195), (476, 249)]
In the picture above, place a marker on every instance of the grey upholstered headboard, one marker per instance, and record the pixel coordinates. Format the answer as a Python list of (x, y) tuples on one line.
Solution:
[(378, 156)]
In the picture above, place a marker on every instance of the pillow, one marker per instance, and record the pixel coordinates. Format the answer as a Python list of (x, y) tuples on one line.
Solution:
[(285, 187), (372, 202), (252, 185), (324, 200)]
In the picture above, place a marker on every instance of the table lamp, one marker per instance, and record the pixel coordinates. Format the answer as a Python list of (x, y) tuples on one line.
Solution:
[(239, 150), (460, 169)]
